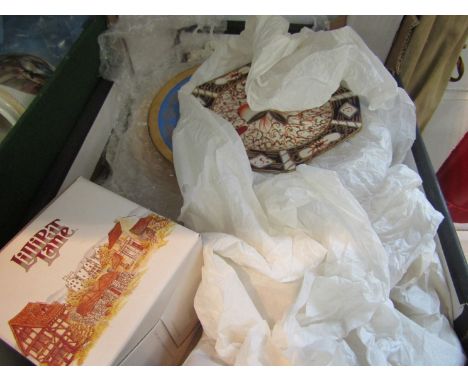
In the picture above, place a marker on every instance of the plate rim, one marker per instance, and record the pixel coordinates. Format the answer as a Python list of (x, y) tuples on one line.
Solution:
[(155, 107)]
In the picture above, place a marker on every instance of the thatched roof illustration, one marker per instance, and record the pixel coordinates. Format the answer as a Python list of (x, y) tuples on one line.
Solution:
[(37, 315)]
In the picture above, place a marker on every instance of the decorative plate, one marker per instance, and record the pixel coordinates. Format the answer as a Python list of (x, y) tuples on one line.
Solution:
[(24, 72), (164, 113), (21, 78), (277, 141)]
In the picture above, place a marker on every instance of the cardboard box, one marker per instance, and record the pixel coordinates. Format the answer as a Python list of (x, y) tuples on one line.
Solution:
[(98, 280)]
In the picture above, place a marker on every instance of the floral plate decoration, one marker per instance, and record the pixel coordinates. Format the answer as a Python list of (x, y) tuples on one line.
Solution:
[(277, 141)]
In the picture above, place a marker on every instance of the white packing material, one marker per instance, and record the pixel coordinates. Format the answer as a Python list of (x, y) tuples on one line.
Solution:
[(335, 263), (139, 54)]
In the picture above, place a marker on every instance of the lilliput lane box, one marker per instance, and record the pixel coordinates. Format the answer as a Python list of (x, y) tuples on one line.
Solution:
[(98, 280)]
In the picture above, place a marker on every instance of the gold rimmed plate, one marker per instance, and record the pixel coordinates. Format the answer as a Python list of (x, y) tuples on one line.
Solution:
[(275, 141), (164, 113)]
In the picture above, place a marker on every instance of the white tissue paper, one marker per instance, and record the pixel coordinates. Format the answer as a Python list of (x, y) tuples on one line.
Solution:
[(335, 263)]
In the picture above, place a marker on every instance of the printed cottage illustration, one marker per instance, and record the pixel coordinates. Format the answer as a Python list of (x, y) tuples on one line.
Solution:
[(61, 333)]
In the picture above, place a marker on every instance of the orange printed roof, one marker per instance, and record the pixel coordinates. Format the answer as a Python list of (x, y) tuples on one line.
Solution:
[(37, 315), (114, 234), (141, 225)]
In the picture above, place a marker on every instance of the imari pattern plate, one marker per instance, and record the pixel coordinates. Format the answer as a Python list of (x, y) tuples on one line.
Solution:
[(278, 141)]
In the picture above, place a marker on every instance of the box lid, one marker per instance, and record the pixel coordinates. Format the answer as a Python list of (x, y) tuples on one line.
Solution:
[(88, 278)]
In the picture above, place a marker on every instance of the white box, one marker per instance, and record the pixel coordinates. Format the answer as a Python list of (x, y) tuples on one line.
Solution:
[(98, 280)]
